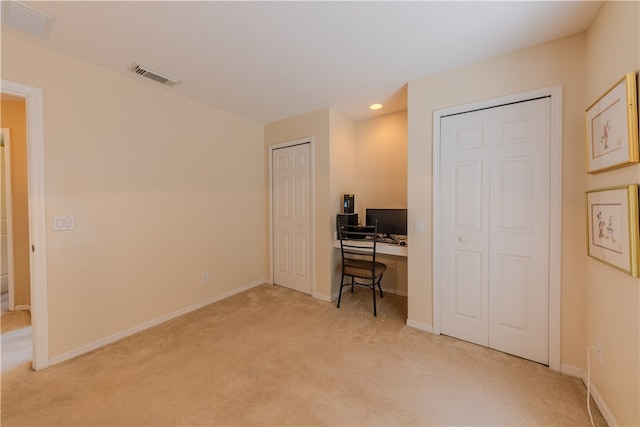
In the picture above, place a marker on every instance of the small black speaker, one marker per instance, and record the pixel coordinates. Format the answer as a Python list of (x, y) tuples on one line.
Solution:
[(348, 205)]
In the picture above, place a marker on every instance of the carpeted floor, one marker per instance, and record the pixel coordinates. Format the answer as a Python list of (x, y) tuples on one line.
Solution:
[(271, 356)]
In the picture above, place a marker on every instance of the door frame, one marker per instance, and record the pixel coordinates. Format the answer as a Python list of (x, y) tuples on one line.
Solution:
[(272, 148), (37, 218), (555, 213), (6, 135)]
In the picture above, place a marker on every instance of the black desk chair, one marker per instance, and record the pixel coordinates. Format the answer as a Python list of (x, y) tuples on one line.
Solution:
[(358, 247)]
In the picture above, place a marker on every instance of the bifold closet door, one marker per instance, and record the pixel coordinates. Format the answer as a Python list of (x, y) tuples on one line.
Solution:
[(494, 212)]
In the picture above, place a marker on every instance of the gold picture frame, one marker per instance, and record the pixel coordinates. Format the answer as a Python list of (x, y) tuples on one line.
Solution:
[(612, 227), (612, 127)]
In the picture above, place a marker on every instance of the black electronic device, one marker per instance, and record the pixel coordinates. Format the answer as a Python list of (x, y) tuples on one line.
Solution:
[(390, 221), (346, 219), (348, 204)]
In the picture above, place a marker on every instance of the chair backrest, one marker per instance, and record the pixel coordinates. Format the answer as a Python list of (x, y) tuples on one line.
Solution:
[(358, 242)]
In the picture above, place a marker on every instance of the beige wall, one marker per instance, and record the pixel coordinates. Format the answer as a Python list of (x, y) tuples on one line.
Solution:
[(344, 180), (163, 189), (381, 162), (381, 180), (612, 310), (14, 117)]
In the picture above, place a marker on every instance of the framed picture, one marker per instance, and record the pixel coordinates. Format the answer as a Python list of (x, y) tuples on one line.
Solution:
[(612, 127), (612, 222)]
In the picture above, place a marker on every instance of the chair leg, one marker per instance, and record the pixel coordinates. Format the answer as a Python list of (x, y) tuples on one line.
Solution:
[(352, 283), (340, 293), (380, 287), (373, 289)]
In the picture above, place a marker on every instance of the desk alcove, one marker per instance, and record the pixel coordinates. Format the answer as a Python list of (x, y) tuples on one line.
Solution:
[(394, 256)]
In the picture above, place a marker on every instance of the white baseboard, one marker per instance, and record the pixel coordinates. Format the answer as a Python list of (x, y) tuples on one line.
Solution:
[(597, 397), (420, 326), (602, 406), (571, 371), (25, 307), (325, 298), (120, 335), (394, 292)]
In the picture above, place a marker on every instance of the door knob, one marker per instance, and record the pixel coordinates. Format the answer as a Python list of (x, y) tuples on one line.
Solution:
[(462, 239)]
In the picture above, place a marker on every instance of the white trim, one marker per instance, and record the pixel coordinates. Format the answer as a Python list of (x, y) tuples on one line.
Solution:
[(435, 212), (597, 397), (272, 148), (555, 229), (420, 326), (602, 406), (37, 219), (571, 371), (121, 335), (555, 216), (393, 291), (9, 208), (325, 298)]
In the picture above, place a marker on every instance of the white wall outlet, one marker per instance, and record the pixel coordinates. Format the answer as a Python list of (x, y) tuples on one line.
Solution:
[(205, 278), (599, 352), (419, 226)]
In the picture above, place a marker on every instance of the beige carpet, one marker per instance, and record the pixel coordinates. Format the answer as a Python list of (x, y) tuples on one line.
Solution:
[(271, 356)]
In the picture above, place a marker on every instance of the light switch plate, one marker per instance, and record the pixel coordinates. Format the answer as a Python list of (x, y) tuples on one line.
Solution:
[(70, 222), (64, 222)]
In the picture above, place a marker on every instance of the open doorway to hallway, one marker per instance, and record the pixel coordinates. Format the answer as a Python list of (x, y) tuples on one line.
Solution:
[(17, 338), (17, 343)]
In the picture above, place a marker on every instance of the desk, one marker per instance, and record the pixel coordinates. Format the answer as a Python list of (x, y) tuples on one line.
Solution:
[(381, 248)]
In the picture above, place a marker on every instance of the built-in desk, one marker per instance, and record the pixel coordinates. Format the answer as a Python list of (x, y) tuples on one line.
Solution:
[(381, 248), (395, 258)]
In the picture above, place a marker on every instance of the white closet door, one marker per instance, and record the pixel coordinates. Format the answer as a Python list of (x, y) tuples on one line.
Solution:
[(495, 227), (519, 230), (465, 179), (292, 218)]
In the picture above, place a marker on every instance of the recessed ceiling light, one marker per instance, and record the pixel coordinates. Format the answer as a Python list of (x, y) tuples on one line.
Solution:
[(375, 106)]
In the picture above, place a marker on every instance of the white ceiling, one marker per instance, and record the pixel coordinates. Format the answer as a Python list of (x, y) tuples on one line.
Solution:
[(269, 60)]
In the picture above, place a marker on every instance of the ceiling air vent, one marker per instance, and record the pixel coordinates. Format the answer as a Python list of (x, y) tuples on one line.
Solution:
[(26, 19), (153, 75)]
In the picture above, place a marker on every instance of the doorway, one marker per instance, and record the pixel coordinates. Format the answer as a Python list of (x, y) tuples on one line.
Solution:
[(36, 219), (291, 215), (497, 187), (15, 299)]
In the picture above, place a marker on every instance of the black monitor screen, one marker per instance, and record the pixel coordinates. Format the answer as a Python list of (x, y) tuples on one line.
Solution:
[(390, 221)]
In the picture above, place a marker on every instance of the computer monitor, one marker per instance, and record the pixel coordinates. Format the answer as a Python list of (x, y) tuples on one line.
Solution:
[(390, 221)]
